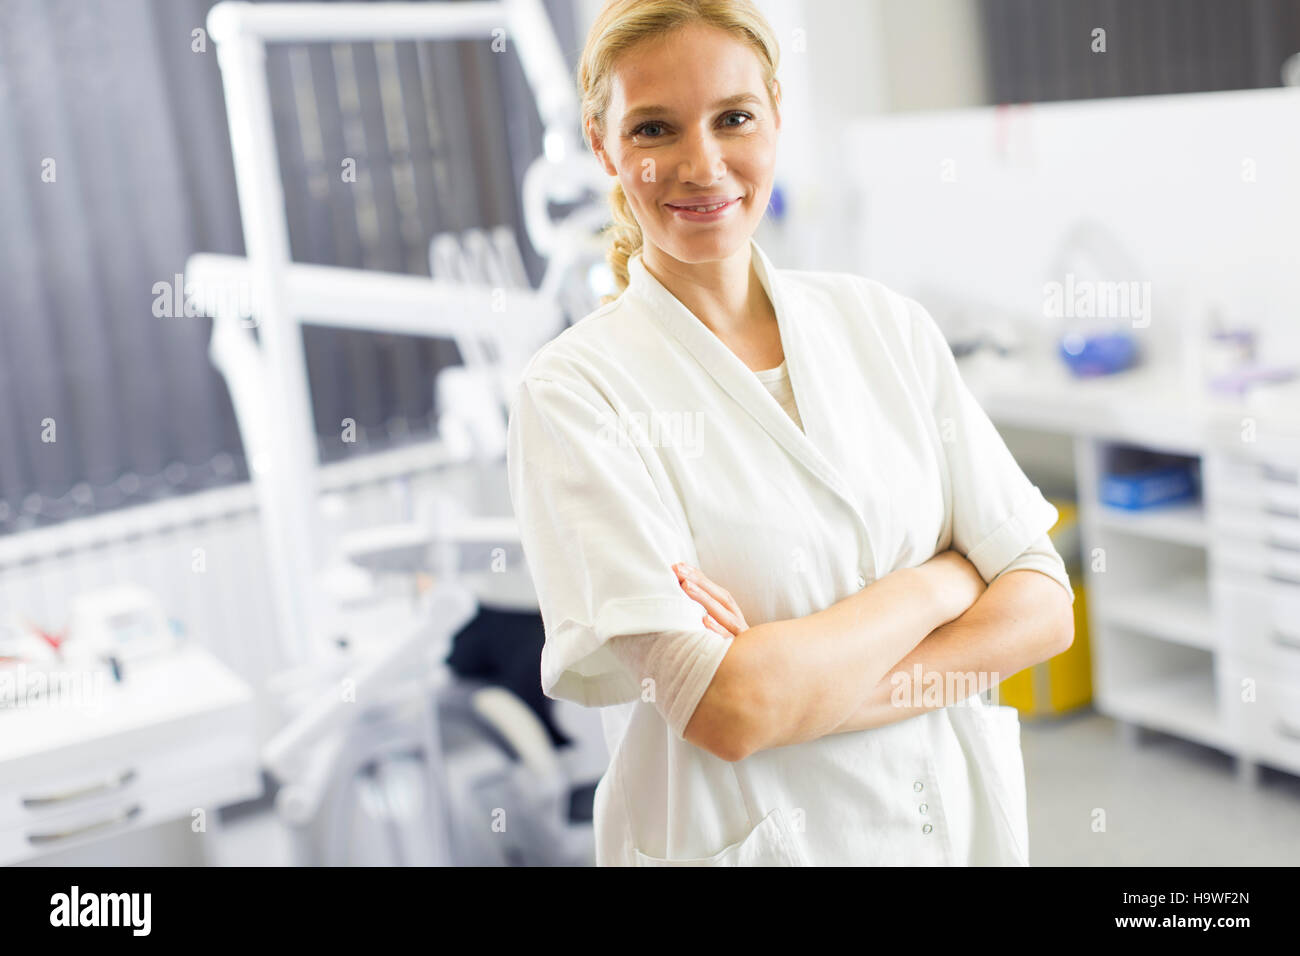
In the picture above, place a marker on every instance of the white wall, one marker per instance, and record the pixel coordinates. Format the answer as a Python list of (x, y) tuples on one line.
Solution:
[(1199, 189), (843, 60)]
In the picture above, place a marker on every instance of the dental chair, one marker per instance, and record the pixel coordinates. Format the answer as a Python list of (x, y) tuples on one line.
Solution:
[(414, 767), (389, 758)]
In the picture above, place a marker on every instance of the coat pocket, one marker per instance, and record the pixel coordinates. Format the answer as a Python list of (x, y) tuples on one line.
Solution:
[(770, 843), (1000, 726)]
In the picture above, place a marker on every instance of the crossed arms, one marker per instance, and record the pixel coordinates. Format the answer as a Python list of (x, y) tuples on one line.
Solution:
[(787, 682)]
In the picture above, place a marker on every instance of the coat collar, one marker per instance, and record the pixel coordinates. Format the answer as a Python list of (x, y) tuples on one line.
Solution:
[(801, 337)]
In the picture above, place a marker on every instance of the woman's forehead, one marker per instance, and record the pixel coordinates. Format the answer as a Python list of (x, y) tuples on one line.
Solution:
[(671, 73)]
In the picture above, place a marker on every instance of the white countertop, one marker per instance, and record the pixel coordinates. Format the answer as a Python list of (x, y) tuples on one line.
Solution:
[(1153, 405), (187, 683)]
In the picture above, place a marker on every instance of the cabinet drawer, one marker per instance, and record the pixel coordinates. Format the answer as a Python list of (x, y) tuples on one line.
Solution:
[(1269, 726), (1253, 507), (1260, 528), (102, 779), (1260, 621), (110, 815), (1254, 486), (1234, 556)]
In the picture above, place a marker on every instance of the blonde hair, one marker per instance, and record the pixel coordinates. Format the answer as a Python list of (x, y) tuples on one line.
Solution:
[(619, 26)]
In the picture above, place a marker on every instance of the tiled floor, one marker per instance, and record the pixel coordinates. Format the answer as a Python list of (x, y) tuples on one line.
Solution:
[(1166, 802)]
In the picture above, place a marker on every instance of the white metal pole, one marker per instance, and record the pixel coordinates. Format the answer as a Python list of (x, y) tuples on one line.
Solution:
[(287, 472), (308, 22)]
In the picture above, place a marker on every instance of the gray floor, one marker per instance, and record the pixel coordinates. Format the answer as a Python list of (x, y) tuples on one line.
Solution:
[(1167, 802), (255, 837)]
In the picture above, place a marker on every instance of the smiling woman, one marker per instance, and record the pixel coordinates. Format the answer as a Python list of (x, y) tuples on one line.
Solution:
[(736, 602), (688, 123)]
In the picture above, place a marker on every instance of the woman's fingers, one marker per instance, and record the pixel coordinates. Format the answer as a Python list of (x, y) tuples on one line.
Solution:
[(720, 613), (719, 593), (693, 576), (715, 600), (713, 625)]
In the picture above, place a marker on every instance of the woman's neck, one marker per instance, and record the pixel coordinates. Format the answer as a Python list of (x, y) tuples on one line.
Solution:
[(725, 294)]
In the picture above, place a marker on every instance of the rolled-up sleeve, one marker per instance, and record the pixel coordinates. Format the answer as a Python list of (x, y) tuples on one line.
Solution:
[(1043, 557), (673, 669), (600, 543), (997, 512)]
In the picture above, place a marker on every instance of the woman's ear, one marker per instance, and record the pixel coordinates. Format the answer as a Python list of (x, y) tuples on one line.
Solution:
[(776, 91), (598, 147)]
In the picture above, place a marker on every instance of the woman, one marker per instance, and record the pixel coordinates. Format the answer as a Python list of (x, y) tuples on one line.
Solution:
[(749, 496)]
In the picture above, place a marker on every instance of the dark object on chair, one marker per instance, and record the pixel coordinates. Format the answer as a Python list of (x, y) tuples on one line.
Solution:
[(504, 648)]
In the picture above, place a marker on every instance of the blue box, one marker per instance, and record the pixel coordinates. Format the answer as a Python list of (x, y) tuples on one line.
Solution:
[(1148, 487)]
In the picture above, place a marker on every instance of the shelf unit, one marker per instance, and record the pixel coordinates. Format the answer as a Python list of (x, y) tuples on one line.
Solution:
[(1195, 607), (1183, 523), (1178, 611), (1182, 704)]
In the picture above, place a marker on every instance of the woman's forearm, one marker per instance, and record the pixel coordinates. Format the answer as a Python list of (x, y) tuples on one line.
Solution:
[(789, 681), (1023, 618)]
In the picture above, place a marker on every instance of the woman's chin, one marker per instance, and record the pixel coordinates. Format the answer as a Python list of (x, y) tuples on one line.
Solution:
[(693, 244)]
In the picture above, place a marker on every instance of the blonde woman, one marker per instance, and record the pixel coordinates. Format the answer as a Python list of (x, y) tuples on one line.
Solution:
[(772, 534)]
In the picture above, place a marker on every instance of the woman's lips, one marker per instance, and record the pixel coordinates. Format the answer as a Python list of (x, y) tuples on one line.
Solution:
[(697, 211)]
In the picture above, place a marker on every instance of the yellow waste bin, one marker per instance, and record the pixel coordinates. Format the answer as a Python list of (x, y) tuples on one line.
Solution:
[(1063, 683)]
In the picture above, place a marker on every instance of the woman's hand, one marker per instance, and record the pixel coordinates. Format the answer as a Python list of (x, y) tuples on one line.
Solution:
[(955, 582), (722, 613)]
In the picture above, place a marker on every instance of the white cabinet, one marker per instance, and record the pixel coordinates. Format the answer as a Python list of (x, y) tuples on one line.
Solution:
[(178, 736), (1195, 608)]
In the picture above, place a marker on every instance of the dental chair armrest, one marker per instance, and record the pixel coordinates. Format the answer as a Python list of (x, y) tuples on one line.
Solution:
[(510, 717)]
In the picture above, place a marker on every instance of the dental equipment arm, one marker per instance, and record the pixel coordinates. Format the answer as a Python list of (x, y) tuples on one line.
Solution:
[(449, 608)]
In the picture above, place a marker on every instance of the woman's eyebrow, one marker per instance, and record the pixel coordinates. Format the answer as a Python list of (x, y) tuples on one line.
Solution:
[(737, 99)]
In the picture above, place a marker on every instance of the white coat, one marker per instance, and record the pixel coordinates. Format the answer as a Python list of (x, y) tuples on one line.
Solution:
[(638, 439)]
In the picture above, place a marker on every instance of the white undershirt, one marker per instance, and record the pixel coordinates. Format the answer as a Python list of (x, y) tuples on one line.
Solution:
[(777, 381)]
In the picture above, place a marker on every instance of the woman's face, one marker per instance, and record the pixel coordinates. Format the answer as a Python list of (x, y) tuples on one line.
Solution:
[(689, 123)]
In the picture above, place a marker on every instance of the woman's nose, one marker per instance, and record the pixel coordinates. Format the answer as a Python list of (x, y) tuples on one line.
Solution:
[(701, 161)]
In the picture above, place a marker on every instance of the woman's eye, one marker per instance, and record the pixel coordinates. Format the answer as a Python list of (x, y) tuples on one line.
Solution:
[(645, 128)]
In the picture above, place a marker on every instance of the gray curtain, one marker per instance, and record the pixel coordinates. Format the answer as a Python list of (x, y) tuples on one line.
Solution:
[(108, 99), (1041, 50)]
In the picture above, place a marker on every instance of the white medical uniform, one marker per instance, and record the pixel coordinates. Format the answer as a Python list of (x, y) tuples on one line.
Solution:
[(638, 439)]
